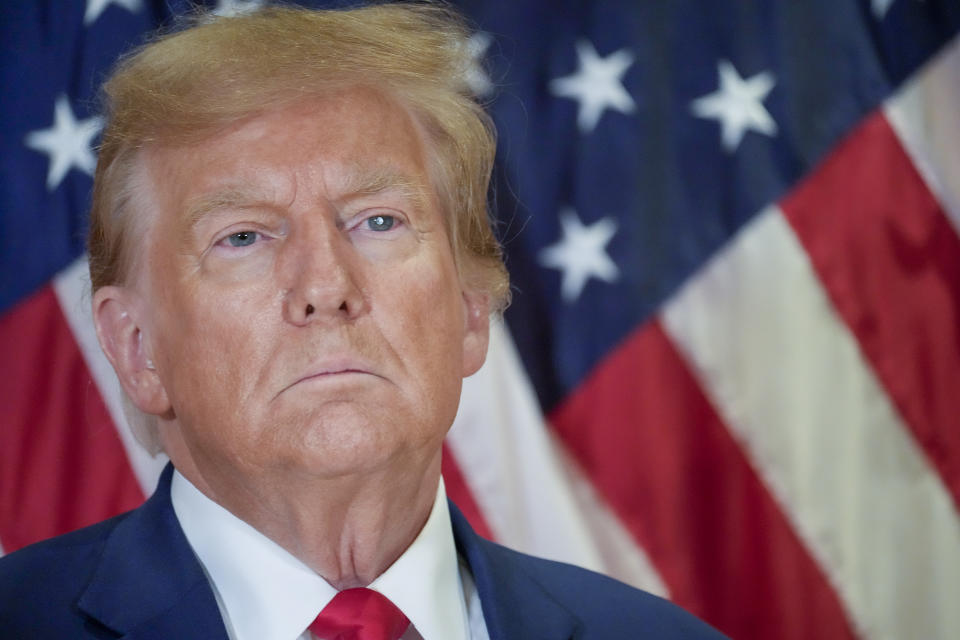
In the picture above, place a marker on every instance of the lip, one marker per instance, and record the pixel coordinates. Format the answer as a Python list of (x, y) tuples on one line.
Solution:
[(332, 369)]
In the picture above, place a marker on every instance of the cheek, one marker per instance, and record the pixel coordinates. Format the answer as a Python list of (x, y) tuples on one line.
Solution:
[(428, 327), (216, 343)]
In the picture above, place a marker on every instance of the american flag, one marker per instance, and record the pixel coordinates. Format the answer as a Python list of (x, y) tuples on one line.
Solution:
[(731, 371)]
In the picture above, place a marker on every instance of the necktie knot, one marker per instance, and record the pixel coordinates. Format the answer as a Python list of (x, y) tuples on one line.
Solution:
[(360, 614)]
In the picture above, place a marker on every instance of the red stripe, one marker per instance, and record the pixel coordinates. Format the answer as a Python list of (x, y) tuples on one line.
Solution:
[(656, 450), (460, 493), (890, 262), (62, 465)]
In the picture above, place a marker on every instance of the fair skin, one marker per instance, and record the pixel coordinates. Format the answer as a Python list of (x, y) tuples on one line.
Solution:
[(298, 325)]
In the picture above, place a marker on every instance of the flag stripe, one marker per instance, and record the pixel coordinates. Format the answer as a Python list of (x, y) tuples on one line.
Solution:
[(875, 233), (61, 463), (622, 557), (535, 501), (500, 441), (72, 287), (459, 492), (821, 432), (654, 447), (924, 115)]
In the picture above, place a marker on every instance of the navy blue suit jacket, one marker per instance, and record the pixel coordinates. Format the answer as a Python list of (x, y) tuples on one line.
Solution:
[(136, 577)]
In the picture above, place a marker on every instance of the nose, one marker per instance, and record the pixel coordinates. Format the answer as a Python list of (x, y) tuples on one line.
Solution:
[(324, 275)]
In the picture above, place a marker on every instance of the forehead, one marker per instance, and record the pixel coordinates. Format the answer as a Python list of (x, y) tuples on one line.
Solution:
[(352, 140)]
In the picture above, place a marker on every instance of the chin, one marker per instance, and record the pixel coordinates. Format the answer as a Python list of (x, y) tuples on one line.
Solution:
[(341, 446)]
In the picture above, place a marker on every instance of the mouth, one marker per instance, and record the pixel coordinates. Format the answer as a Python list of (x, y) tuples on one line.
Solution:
[(332, 373)]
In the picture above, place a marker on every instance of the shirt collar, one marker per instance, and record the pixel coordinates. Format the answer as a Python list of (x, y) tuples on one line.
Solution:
[(265, 593)]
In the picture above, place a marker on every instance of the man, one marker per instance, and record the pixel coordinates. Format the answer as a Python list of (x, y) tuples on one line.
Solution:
[(292, 271)]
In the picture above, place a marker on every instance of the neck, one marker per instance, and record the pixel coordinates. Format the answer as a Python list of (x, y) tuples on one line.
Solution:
[(349, 529)]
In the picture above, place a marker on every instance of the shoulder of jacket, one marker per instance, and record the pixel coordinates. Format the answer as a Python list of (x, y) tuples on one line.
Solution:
[(606, 606)]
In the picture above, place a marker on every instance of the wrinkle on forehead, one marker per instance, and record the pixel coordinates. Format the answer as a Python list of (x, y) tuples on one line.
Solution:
[(354, 169)]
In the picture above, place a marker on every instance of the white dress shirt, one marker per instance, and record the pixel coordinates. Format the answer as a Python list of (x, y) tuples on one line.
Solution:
[(265, 593)]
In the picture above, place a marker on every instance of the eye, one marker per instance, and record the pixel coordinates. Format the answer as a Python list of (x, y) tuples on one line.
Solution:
[(380, 223), (242, 238)]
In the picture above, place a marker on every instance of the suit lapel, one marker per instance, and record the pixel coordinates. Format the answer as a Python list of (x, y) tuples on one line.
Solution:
[(515, 605), (148, 583)]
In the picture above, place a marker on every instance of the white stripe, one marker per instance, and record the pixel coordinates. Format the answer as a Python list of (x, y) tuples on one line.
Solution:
[(925, 113), (620, 555), (532, 501), (72, 286), (790, 383)]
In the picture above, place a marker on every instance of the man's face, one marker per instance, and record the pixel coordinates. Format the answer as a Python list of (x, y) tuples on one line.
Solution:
[(304, 312)]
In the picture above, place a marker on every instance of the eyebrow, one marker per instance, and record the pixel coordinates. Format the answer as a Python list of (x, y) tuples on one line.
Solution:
[(370, 181), (363, 182), (227, 199)]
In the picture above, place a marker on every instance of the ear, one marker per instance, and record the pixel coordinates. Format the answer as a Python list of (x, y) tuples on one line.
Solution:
[(117, 317), (476, 334)]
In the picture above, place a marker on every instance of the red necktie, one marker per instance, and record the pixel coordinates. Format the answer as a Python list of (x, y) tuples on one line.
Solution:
[(360, 614)]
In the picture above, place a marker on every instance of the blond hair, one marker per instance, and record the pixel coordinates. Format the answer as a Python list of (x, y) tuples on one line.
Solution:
[(189, 85), (192, 84)]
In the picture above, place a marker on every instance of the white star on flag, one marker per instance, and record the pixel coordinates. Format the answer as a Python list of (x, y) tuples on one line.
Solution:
[(737, 105), (66, 142), (96, 7), (229, 8), (581, 253), (596, 85), (476, 77)]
